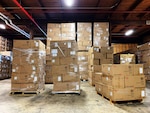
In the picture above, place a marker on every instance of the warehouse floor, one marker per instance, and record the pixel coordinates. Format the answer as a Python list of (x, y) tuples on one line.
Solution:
[(88, 102)]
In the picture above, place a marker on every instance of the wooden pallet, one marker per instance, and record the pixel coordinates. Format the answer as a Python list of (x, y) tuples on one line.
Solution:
[(66, 92), (25, 93), (123, 101)]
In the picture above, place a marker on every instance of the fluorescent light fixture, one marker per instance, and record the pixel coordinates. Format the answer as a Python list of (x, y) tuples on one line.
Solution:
[(69, 3), (2, 26), (129, 32)]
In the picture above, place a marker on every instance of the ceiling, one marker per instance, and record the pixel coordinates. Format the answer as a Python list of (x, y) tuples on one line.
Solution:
[(122, 15)]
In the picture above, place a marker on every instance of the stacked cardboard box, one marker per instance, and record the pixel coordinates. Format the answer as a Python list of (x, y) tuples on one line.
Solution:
[(56, 32), (64, 66), (144, 58), (101, 34), (83, 65), (5, 66), (97, 57), (84, 36), (5, 44), (121, 82), (124, 59), (28, 66)]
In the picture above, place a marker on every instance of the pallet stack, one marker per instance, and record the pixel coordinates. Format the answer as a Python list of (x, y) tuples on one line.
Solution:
[(121, 82), (84, 41), (101, 34), (5, 44), (97, 57), (64, 66), (144, 58), (28, 66), (57, 32), (5, 66)]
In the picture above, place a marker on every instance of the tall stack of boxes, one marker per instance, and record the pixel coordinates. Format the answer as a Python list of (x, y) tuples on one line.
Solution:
[(64, 66), (5, 44), (144, 58), (97, 57), (84, 36), (57, 32), (5, 66), (28, 66), (101, 34), (121, 82), (83, 65), (84, 41)]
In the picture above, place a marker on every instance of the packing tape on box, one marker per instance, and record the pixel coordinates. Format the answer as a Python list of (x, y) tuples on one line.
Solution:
[(36, 43)]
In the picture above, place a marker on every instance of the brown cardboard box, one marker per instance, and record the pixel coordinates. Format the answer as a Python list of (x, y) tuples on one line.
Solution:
[(60, 69), (107, 50), (94, 62), (91, 78), (30, 87), (98, 55), (71, 77), (135, 81), (138, 69), (68, 60), (57, 78), (96, 68), (118, 69), (15, 87), (114, 81), (98, 77), (109, 56), (53, 61), (106, 61), (29, 44), (99, 88), (67, 86)]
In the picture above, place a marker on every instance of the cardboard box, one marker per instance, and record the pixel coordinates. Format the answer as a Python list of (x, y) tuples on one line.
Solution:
[(98, 77), (29, 44), (91, 78), (67, 86), (97, 55), (99, 88), (138, 69), (53, 61), (94, 62), (139, 81), (107, 50), (96, 68), (60, 69), (118, 69), (114, 81), (68, 60)]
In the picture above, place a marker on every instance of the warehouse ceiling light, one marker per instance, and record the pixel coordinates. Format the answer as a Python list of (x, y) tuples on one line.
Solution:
[(2, 26), (69, 3), (129, 32)]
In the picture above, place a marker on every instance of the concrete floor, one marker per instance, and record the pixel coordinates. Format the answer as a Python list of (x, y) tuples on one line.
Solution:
[(88, 102)]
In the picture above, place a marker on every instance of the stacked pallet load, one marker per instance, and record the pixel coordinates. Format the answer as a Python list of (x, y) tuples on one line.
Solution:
[(124, 59), (101, 34), (28, 67), (121, 82), (57, 32), (144, 58), (64, 67), (84, 41), (97, 57), (83, 65), (5, 66), (5, 44)]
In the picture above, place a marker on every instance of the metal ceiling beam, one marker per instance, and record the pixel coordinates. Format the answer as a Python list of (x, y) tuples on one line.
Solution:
[(84, 11)]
